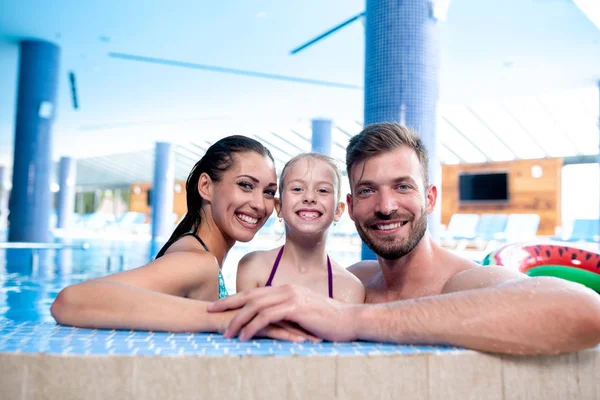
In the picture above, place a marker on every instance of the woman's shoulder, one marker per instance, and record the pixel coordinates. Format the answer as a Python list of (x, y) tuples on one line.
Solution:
[(188, 253), (186, 243)]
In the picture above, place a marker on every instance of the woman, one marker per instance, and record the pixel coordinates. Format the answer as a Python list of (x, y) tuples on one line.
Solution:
[(230, 195)]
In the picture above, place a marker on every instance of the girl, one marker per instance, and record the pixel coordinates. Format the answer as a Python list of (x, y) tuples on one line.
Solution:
[(230, 195), (310, 186)]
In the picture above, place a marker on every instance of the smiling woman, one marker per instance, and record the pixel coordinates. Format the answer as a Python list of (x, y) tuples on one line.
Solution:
[(230, 195)]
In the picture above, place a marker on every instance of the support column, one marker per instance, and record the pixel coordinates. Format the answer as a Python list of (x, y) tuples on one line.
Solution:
[(401, 77), (66, 195), (3, 196), (162, 191), (321, 136), (31, 199)]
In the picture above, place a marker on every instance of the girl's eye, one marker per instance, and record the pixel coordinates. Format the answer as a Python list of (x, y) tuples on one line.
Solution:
[(245, 185), (296, 189), (323, 190)]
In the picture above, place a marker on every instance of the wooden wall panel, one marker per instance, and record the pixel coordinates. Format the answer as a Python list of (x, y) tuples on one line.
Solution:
[(528, 195), (139, 199)]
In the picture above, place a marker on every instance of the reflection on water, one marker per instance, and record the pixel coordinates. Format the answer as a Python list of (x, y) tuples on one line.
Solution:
[(31, 279)]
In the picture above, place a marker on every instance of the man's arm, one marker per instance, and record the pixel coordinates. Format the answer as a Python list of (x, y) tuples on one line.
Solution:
[(523, 316)]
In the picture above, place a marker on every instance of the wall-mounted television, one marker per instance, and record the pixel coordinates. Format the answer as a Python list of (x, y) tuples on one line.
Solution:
[(483, 187)]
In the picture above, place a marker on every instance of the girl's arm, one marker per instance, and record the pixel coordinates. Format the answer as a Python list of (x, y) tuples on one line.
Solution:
[(248, 272)]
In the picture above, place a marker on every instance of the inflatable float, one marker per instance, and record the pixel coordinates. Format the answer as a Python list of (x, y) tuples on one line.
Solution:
[(570, 263)]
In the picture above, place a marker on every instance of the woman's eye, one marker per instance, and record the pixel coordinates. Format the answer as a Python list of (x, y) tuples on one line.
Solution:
[(246, 185), (270, 193)]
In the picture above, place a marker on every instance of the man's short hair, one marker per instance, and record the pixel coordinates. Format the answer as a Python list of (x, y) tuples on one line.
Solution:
[(376, 139)]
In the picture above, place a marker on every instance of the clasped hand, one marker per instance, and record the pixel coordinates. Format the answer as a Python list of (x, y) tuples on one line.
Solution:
[(318, 316)]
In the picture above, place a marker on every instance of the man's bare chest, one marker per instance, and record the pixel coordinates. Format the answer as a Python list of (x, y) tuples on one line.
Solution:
[(376, 292)]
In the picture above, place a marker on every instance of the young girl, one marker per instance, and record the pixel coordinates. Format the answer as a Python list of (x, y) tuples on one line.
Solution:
[(230, 195), (310, 186)]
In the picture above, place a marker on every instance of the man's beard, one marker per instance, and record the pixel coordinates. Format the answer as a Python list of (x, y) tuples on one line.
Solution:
[(393, 248)]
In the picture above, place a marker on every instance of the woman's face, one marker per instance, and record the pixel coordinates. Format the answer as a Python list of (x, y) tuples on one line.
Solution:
[(244, 198)]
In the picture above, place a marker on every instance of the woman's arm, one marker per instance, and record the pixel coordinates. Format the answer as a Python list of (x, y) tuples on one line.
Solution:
[(151, 297)]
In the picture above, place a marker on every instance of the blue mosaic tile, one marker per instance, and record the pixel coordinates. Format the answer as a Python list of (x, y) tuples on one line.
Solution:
[(32, 337)]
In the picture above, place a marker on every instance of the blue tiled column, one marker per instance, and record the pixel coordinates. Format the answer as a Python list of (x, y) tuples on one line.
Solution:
[(31, 199), (401, 74), (3, 194), (321, 136), (66, 195), (162, 191)]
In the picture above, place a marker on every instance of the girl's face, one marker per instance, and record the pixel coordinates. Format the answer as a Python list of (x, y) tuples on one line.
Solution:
[(308, 199), (244, 198)]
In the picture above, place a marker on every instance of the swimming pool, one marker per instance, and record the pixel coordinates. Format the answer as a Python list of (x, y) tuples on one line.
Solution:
[(39, 359), (27, 291)]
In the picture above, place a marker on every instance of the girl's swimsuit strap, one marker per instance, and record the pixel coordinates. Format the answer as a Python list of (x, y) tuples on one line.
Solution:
[(276, 264)]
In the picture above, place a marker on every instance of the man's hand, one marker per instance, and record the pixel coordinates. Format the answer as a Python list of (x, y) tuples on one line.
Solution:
[(314, 313)]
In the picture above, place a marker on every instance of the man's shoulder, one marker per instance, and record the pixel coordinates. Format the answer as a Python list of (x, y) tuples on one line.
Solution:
[(365, 270)]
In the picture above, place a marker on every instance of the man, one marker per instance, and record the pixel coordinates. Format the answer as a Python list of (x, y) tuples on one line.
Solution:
[(417, 292)]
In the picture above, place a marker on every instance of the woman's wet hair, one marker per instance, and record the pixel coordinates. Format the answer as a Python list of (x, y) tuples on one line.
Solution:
[(215, 162)]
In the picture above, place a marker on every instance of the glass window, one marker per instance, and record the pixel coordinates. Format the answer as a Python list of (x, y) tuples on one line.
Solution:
[(471, 127), (520, 141), (458, 144)]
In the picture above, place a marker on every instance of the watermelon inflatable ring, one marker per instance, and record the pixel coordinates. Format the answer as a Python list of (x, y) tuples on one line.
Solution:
[(564, 262)]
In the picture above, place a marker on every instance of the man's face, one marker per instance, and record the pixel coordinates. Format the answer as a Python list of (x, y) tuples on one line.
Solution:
[(389, 203)]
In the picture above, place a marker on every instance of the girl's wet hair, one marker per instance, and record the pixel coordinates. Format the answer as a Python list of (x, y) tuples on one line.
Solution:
[(313, 156), (215, 162)]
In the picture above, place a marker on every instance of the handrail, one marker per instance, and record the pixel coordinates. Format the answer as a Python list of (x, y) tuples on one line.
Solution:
[(42, 246)]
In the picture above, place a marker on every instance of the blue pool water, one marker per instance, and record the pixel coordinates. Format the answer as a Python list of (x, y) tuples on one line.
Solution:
[(28, 288)]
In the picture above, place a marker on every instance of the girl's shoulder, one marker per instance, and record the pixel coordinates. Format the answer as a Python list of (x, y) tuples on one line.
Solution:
[(341, 273), (259, 257), (347, 287), (254, 269)]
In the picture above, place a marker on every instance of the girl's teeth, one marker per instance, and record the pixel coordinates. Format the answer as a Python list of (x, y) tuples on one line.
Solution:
[(309, 214)]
